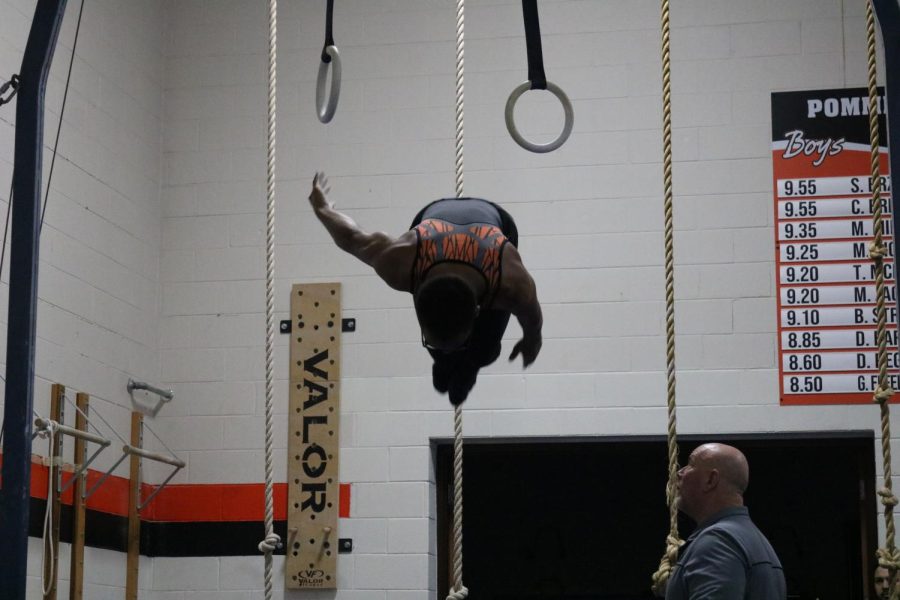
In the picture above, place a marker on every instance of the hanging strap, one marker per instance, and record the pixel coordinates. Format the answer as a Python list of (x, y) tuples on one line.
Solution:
[(329, 35), (533, 42)]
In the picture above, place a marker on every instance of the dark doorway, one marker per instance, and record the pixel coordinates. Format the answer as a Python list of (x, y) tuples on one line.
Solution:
[(587, 519)]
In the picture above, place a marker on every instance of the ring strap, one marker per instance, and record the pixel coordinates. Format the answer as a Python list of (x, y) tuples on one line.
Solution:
[(533, 41), (329, 36)]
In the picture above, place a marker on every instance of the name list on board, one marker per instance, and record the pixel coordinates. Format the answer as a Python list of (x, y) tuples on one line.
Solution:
[(827, 317)]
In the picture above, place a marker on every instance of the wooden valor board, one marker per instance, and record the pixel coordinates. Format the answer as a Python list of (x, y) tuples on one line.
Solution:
[(313, 443)]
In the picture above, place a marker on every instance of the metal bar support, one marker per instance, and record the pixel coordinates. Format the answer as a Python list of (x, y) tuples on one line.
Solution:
[(160, 487), (84, 436), (42, 424), (23, 278), (166, 395), (169, 460), (105, 476)]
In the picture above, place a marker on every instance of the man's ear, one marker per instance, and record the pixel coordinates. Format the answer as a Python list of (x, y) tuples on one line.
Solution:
[(712, 479)]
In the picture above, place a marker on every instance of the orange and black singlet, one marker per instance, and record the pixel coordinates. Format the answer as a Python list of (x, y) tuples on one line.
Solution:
[(462, 230)]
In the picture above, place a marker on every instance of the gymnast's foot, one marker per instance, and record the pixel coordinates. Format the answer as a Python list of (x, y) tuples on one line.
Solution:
[(440, 376), (462, 383)]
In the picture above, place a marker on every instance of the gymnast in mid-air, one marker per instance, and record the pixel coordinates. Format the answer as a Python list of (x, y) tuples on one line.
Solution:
[(460, 262)]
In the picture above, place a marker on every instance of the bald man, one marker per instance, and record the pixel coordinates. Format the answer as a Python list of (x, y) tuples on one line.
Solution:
[(882, 578), (727, 557)]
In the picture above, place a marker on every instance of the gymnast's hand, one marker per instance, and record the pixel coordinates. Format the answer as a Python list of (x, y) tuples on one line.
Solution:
[(528, 347), (318, 197)]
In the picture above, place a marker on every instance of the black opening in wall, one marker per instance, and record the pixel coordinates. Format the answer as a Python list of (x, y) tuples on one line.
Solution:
[(587, 519)]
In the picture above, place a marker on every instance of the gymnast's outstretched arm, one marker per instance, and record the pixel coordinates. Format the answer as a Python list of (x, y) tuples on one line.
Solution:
[(391, 258)]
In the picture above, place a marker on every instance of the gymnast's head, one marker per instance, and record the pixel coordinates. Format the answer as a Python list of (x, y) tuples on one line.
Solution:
[(446, 306)]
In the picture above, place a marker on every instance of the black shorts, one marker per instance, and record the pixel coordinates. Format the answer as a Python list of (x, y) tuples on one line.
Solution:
[(456, 213)]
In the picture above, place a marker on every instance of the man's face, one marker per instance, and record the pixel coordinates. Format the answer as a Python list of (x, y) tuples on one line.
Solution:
[(882, 578), (690, 484), (452, 344)]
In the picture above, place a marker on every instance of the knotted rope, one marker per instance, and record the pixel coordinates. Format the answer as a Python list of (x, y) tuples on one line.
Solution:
[(272, 541), (888, 556), (673, 541)]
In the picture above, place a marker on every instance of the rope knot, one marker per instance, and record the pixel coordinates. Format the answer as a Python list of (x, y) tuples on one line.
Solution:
[(888, 498), (460, 594), (889, 559), (877, 251), (882, 394), (660, 578), (270, 544)]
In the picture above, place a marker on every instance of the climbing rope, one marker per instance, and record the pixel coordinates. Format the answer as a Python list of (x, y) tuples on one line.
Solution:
[(460, 91), (888, 556), (458, 591), (673, 541), (272, 541), (47, 581)]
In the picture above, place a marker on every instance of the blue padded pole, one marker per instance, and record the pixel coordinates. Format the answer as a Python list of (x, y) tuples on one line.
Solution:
[(23, 279)]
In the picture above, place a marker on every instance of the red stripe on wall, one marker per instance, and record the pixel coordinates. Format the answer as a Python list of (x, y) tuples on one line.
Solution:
[(216, 502), (344, 501), (191, 502)]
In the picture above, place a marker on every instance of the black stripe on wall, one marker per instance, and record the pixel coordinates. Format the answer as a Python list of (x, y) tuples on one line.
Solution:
[(198, 538)]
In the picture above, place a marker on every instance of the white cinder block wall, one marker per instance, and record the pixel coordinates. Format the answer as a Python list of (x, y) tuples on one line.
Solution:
[(589, 215), (98, 314)]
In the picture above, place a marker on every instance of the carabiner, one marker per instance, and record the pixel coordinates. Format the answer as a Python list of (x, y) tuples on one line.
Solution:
[(12, 84)]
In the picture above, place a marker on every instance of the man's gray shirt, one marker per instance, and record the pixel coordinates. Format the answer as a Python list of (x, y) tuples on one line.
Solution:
[(727, 558)]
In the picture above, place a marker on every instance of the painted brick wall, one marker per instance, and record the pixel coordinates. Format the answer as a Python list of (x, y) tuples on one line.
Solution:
[(98, 314), (104, 573)]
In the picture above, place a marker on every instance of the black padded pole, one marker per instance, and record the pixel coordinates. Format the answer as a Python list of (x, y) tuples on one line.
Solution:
[(23, 279)]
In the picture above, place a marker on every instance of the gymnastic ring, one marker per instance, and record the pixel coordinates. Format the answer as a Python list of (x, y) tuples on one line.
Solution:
[(326, 112), (511, 122)]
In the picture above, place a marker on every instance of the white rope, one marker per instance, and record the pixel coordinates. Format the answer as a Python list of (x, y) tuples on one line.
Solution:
[(458, 591), (272, 540), (47, 586), (460, 91)]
